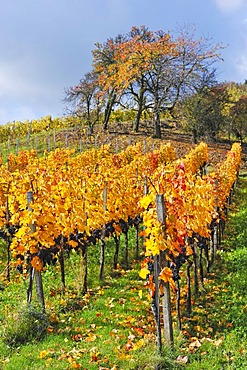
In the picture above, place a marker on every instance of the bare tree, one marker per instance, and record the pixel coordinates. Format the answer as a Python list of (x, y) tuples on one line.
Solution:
[(84, 101)]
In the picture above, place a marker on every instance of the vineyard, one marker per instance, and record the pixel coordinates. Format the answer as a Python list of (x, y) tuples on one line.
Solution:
[(143, 213)]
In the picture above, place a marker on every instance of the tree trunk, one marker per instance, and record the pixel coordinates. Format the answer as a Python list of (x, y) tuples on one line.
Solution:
[(137, 120), (139, 112), (194, 136), (90, 128), (108, 110), (157, 126)]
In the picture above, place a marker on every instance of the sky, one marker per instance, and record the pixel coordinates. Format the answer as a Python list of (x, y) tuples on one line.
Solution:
[(46, 45)]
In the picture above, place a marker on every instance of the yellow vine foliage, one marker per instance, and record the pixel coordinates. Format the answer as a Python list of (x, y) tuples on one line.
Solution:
[(85, 191)]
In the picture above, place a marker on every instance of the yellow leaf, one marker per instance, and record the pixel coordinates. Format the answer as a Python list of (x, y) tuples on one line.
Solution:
[(75, 365), (145, 201), (43, 354), (138, 345), (91, 337), (144, 272)]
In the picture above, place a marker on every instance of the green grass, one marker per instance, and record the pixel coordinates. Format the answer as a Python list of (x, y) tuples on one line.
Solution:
[(96, 330), (112, 326), (43, 141)]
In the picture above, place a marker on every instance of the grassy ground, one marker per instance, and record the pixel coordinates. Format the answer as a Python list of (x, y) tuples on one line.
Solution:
[(108, 328), (112, 326)]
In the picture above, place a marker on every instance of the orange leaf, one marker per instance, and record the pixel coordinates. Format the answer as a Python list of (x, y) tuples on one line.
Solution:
[(166, 274), (37, 263), (75, 365)]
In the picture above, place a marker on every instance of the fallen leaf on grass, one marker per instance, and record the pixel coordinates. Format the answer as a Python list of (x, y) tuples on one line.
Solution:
[(54, 318), (123, 356), (95, 354), (218, 342), (182, 359), (138, 345), (139, 331), (77, 337), (91, 337), (75, 365), (43, 354), (49, 329), (194, 345)]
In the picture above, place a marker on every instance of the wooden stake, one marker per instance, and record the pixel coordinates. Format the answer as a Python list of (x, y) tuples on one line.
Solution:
[(102, 241), (156, 304), (33, 271), (8, 239), (166, 299)]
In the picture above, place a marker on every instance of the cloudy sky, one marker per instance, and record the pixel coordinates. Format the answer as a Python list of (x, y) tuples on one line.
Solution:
[(45, 45)]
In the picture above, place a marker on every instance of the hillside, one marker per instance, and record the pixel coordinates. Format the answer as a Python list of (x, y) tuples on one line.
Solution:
[(112, 326), (118, 136)]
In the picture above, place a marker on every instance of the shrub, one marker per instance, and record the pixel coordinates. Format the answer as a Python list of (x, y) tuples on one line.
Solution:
[(30, 323)]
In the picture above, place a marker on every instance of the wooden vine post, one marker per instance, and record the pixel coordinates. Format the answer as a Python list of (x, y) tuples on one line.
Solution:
[(67, 139), (195, 265), (84, 270), (102, 241), (17, 146), (166, 299), (115, 257), (155, 305), (48, 143), (62, 265), (8, 238), (214, 242), (126, 242), (54, 138), (33, 272), (188, 298)]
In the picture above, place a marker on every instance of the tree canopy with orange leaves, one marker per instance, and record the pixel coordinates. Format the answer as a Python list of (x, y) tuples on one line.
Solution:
[(150, 71)]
